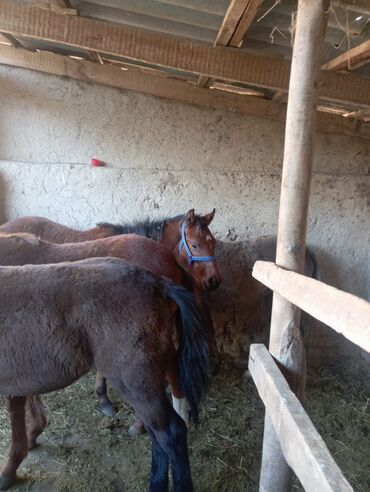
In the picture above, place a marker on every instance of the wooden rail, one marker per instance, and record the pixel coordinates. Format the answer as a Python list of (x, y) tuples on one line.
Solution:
[(302, 446), (345, 313)]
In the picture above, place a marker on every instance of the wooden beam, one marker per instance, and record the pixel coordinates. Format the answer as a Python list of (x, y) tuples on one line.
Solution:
[(62, 7), (280, 96), (245, 22), (345, 313), (362, 6), (236, 90), (302, 445), (177, 53), (286, 341), (113, 76), (350, 59), (11, 39), (64, 4), (237, 20), (94, 56), (362, 114)]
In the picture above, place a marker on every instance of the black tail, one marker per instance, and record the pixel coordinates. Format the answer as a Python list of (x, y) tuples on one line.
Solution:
[(192, 360)]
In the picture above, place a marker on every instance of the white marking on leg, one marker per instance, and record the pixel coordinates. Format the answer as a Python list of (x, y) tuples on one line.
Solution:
[(182, 408)]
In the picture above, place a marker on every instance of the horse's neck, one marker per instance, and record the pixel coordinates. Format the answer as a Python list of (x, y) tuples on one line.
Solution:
[(171, 234)]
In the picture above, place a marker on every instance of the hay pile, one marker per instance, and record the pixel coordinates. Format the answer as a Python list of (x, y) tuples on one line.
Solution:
[(82, 451)]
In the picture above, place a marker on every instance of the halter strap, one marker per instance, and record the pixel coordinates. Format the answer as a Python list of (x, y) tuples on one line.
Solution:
[(183, 244)]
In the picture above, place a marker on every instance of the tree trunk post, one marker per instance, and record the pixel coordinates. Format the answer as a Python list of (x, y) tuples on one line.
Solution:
[(286, 343)]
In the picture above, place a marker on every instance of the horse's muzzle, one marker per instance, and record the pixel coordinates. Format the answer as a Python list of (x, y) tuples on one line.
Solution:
[(212, 283)]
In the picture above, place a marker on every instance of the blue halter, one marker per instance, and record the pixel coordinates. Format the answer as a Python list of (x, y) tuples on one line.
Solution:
[(184, 244)]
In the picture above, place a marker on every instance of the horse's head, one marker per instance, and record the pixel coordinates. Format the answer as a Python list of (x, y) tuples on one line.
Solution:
[(196, 249)]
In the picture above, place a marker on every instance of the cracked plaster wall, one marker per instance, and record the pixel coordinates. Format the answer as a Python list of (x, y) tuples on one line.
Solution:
[(165, 157)]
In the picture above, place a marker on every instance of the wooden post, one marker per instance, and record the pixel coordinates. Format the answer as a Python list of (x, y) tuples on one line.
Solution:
[(286, 343)]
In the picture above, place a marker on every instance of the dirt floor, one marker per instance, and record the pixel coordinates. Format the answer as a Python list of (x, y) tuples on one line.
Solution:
[(82, 451)]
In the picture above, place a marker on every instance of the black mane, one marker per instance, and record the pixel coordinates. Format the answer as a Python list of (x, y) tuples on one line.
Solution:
[(153, 229)]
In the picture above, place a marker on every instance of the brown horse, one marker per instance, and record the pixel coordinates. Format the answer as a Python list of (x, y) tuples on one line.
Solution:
[(187, 236), (57, 321), (25, 249)]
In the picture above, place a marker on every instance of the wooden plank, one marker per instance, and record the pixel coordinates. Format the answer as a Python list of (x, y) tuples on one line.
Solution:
[(94, 56), (203, 81), (362, 6), (230, 22), (113, 76), (361, 114), (280, 96), (11, 40), (345, 313), (350, 59), (302, 445), (182, 54), (238, 11), (245, 22), (62, 7)]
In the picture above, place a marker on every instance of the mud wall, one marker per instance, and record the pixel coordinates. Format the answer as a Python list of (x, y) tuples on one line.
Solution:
[(162, 158)]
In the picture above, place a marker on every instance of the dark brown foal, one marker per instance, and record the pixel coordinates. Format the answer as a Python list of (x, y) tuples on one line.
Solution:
[(57, 321)]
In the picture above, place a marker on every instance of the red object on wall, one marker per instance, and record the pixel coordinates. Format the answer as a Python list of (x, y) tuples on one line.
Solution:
[(96, 162)]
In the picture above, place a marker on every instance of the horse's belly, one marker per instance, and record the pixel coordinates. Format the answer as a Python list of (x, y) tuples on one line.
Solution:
[(34, 386), (25, 373)]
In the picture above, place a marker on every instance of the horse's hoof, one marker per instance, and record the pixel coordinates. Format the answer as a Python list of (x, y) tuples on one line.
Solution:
[(247, 375), (6, 481), (107, 409), (136, 429)]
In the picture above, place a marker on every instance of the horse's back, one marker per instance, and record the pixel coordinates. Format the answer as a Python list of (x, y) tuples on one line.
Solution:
[(39, 226), (62, 318)]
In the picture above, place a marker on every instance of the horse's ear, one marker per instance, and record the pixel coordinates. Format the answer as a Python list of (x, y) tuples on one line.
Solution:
[(207, 219), (190, 217)]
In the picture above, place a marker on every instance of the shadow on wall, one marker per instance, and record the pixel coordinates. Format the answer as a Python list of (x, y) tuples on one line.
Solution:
[(3, 200), (241, 307)]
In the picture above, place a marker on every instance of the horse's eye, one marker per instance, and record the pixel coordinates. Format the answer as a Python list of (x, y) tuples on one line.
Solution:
[(194, 246)]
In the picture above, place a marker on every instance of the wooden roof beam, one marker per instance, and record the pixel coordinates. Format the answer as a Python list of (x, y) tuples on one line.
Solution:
[(169, 88), (62, 7), (245, 22), (362, 114), (362, 6), (351, 59), (167, 51), (237, 20), (11, 40)]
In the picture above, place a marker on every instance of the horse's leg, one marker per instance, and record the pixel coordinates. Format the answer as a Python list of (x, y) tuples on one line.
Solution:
[(105, 404), (19, 445), (172, 441), (179, 401), (159, 468), (36, 421), (137, 428), (169, 436)]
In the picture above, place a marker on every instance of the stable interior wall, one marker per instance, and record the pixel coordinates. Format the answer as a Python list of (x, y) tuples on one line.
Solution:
[(164, 157)]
